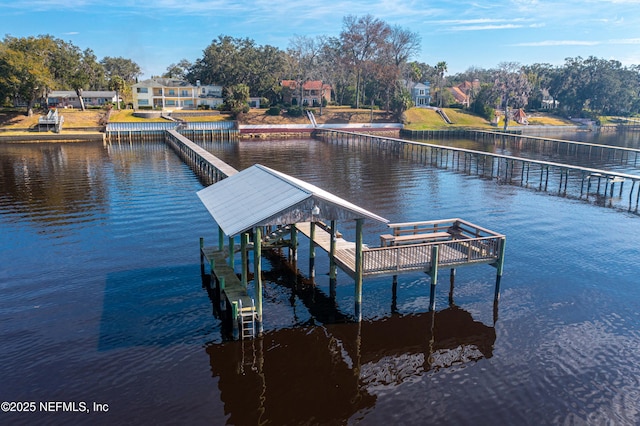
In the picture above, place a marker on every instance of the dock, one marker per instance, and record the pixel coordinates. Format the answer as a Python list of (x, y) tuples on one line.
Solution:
[(537, 174), (267, 209)]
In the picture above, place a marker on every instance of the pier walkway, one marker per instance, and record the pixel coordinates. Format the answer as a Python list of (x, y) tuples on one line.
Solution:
[(587, 181)]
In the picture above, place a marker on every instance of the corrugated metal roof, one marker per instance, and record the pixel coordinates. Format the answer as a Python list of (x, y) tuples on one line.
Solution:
[(260, 196)]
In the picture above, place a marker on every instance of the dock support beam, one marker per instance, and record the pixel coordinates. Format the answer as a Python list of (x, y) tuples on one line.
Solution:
[(499, 267), (434, 277), (452, 281), (358, 271), (257, 274), (332, 261)]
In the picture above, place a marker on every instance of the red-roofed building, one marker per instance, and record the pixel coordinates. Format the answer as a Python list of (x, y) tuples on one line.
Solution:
[(312, 92), (463, 92)]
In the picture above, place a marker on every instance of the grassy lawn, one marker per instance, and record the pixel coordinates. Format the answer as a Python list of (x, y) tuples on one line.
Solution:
[(126, 116), (427, 119), (417, 118), (72, 118)]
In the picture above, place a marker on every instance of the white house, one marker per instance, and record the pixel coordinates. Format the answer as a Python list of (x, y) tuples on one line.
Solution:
[(420, 94), (69, 98), (171, 93)]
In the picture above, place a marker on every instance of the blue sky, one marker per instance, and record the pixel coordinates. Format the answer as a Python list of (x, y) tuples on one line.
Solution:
[(463, 33)]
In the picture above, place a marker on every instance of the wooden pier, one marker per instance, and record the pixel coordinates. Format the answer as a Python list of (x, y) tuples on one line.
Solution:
[(283, 206), (543, 175)]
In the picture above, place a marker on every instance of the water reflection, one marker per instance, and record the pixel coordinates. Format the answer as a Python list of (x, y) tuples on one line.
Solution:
[(53, 183), (323, 375)]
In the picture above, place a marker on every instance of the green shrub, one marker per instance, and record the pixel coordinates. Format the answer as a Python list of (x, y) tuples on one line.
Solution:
[(273, 111), (295, 112)]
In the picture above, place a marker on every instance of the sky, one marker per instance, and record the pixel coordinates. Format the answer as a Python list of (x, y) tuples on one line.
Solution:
[(462, 33)]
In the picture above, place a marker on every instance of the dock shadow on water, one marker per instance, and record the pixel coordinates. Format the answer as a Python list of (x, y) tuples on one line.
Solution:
[(331, 368), (325, 374), (154, 307)]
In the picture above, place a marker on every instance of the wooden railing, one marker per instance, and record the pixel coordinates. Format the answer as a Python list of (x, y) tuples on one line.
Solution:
[(417, 257), (409, 246)]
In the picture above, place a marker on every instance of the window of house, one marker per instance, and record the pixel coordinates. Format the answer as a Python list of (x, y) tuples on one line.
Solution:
[(188, 102), (143, 90), (143, 102), (172, 92), (184, 93), (171, 102)]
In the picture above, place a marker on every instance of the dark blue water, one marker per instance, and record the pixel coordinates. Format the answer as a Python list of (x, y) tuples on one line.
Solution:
[(101, 300)]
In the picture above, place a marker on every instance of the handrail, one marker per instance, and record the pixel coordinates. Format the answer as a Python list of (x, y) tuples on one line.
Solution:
[(418, 256)]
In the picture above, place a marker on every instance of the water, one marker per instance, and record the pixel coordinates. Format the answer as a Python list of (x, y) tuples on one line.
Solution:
[(101, 300)]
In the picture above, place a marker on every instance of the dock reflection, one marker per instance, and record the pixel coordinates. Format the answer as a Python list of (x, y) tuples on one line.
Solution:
[(323, 374)]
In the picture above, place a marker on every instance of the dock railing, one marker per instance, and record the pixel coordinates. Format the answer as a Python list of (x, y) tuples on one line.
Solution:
[(409, 248)]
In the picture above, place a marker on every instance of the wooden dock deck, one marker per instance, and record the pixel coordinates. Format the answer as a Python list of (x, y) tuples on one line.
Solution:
[(475, 245), (233, 290)]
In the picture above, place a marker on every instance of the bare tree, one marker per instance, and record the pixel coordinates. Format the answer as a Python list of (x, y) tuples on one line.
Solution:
[(511, 86), (362, 39)]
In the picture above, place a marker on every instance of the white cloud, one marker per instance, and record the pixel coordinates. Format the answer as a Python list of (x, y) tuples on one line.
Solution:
[(547, 43), (485, 27)]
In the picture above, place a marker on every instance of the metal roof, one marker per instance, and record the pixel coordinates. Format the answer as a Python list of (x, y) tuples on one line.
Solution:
[(260, 196)]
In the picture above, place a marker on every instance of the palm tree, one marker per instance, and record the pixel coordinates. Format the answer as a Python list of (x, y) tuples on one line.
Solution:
[(441, 68)]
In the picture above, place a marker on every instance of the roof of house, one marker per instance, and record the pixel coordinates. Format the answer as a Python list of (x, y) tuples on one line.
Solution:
[(85, 94), (260, 196), (307, 85), (458, 94)]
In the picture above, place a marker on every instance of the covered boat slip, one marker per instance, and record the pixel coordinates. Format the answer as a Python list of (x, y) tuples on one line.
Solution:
[(262, 204)]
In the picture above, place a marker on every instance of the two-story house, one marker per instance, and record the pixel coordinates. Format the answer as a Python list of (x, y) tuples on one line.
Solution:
[(171, 93), (420, 94), (312, 93)]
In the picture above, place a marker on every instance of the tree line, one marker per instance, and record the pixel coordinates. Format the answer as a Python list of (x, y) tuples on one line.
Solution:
[(31, 67), (370, 63)]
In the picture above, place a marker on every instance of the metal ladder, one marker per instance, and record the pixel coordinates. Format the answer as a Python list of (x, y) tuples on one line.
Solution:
[(247, 320)]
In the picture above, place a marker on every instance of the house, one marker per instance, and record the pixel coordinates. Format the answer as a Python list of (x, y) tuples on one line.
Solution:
[(172, 93), (520, 116), (313, 92), (463, 93), (69, 98), (420, 94)]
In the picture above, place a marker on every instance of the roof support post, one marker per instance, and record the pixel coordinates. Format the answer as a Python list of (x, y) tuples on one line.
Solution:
[(257, 274), (220, 238), (244, 240), (231, 252), (294, 244), (312, 249), (358, 271)]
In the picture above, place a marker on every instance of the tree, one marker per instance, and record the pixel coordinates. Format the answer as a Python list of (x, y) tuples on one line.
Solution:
[(118, 84), (24, 68), (362, 39), (228, 61), (511, 86), (125, 68), (441, 68), (236, 98), (179, 70)]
